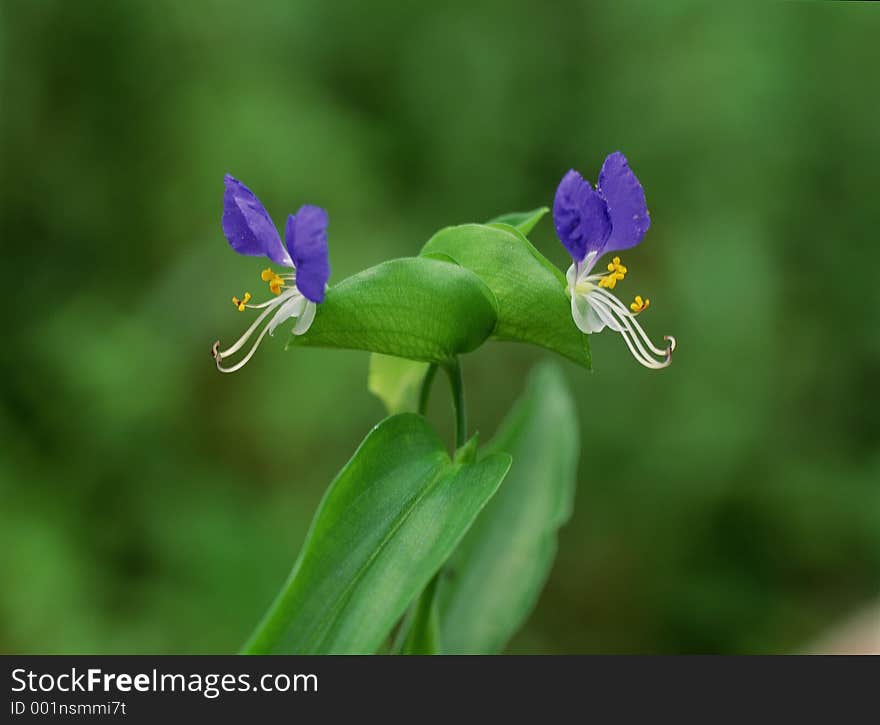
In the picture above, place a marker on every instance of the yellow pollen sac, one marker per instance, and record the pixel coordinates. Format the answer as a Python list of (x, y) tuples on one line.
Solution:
[(609, 281), (616, 272), (615, 266), (640, 305), (274, 280), (242, 303)]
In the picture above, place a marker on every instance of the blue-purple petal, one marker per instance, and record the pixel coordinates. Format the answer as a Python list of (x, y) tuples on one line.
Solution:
[(248, 226), (580, 216), (625, 198), (306, 236)]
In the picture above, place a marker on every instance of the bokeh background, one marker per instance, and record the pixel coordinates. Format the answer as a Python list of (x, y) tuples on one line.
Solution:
[(728, 504)]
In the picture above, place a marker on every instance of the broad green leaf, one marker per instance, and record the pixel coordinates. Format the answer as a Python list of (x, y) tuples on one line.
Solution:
[(525, 221), (492, 582), (530, 292), (420, 630), (396, 382), (414, 308), (387, 523)]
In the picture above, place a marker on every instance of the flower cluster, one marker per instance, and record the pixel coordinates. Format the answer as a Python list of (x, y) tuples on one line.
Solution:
[(590, 223)]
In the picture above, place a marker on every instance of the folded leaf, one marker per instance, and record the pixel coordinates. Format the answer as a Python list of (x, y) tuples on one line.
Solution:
[(396, 382), (525, 221), (492, 581), (387, 523), (416, 308), (530, 292)]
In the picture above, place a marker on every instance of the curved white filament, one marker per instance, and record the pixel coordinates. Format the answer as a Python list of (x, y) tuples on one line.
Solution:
[(241, 363), (631, 337), (235, 347), (621, 310)]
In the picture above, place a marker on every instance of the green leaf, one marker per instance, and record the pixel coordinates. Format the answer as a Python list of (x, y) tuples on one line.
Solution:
[(423, 629), (414, 308), (396, 382), (530, 292), (492, 582), (387, 523), (525, 221)]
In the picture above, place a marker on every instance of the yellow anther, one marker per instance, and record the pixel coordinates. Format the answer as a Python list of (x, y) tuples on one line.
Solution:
[(274, 279), (640, 305), (242, 303), (616, 272)]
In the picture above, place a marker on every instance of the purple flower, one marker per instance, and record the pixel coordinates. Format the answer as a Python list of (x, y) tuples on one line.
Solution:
[(250, 231), (610, 218), (592, 222)]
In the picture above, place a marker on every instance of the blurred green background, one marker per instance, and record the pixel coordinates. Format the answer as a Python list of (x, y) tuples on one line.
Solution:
[(728, 504)]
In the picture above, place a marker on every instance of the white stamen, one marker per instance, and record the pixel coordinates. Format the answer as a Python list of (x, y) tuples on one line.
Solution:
[(241, 363), (626, 329), (623, 312), (261, 305), (630, 336), (250, 331), (289, 303)]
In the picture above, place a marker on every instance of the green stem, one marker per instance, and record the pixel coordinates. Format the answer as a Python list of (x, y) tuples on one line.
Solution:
[(456, 384), (425, 392)]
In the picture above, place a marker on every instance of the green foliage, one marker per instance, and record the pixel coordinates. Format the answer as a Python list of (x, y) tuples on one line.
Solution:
[(525, 221), (423, 627), (533, 306), (413, 308), (492, 582), (390, 519), (728, 504), (396, 382)]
